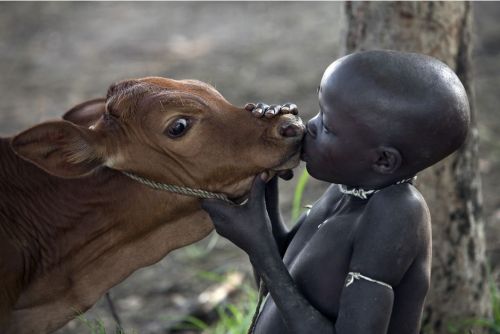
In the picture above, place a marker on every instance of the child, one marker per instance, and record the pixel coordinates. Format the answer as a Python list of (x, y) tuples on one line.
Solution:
[(359, 260)]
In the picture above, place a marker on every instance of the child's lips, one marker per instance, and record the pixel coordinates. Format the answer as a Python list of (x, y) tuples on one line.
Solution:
[(303, 155), (286, 174)]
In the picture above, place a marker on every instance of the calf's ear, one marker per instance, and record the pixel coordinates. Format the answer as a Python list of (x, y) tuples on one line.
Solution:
[(86, 113), (61, 148)]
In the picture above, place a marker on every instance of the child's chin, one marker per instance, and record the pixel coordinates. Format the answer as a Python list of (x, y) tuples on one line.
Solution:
[(303, 155), (315, 172), (310, 169)]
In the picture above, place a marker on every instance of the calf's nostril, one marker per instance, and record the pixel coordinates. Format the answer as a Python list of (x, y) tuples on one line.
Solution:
[(291, 130)]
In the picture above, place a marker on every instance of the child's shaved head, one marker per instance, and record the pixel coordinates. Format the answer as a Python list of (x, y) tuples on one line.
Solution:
[(410, 102)]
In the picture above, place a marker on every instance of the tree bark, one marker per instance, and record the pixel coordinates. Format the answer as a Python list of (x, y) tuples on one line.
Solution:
[(452, 188)]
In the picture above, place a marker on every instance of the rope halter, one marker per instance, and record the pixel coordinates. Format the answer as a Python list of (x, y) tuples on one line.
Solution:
[(199, 193)]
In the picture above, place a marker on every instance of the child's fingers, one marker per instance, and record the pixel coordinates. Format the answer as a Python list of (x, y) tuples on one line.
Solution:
[(271, 192), (289, 108), (250, 106), (257, 109), (269, 111), (258, 187), (260, 110), (272, 110), (214, 206)]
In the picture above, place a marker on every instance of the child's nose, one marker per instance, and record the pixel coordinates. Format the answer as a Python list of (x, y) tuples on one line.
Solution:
[(311, 127)]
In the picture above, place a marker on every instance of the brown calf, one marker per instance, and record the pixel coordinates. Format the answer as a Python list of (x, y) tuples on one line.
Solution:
[(72, 225)]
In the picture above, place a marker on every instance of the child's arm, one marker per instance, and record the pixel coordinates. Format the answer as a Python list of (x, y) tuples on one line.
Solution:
[(281, 233)]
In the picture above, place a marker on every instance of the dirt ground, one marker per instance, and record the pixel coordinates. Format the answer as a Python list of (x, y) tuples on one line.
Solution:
[(54, 55)]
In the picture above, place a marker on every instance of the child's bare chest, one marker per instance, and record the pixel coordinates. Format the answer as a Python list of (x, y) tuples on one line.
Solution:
[(321, 236), (318, 256)]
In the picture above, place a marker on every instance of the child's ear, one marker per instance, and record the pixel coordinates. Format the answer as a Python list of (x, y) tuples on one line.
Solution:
[(61, 148), (86, 113), (388, 160)]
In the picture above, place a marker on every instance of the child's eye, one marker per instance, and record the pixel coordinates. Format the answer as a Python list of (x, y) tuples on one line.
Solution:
[(323, 125)]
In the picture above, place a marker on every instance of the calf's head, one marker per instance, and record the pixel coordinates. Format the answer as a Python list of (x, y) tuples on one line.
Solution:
[(176, 132)]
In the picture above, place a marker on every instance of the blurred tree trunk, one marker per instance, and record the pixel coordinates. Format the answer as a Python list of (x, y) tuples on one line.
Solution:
[(452, 188)]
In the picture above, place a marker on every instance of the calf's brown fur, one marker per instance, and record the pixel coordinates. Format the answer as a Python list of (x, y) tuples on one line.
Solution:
[(72, 225)]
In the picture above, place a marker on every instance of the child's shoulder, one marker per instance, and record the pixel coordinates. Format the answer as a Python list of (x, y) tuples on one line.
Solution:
[(403, 198), (393, 231), (399, 211)]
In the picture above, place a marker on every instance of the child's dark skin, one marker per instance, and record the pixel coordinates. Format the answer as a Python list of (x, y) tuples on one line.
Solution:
[(383, 117)]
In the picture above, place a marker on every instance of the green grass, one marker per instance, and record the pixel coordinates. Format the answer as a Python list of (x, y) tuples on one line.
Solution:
[(232, 318), (96, 326), (297, 206)]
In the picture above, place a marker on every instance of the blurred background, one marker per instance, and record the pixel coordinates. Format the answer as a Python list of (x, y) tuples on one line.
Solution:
[(54, 55)]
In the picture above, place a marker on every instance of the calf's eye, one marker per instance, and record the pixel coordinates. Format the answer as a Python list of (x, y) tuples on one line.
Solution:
[(178, 127)]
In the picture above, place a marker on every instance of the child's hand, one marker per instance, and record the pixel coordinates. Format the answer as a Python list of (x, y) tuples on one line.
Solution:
[(246, 225), (269, 111)]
